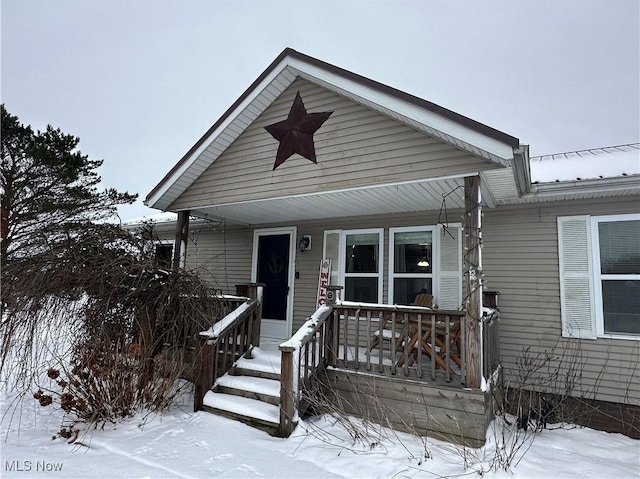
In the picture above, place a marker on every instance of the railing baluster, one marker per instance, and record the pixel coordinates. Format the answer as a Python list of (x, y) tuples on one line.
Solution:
[(394, 342), (407, 339), (345, 346), (463, 352), (381, 325), (447, 342), (433, 347), (369, 339), (419, 363), (356, 349)]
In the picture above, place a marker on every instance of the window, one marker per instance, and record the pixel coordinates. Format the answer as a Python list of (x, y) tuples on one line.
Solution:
[(617, 274), (600, 275), (362, 266), (164, 254), (421, 259), (411, 263)]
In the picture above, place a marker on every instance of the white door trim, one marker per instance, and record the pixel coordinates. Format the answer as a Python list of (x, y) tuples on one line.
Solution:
[(292, 231)]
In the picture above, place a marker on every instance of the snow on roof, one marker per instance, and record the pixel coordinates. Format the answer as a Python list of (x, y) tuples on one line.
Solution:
[(166, 217), (610, 162)]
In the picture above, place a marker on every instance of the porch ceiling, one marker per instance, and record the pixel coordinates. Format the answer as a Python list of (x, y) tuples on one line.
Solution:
[(385, 199)]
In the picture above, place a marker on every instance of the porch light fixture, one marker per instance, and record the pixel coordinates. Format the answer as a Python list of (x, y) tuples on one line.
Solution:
[(304, 243)]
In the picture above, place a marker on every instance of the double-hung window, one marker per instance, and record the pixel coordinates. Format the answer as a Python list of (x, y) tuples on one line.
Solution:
[(600, 275), (617, 274), (422, 259), (411, 263), (362, 268)]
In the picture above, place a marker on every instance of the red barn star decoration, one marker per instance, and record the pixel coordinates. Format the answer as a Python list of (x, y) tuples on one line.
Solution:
[(295, 134)]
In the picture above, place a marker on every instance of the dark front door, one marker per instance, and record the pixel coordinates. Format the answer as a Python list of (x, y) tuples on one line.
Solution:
[(273, 272)]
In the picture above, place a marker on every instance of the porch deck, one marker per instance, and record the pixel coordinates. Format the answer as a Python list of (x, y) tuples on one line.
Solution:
[(414, 381), (441, 409)]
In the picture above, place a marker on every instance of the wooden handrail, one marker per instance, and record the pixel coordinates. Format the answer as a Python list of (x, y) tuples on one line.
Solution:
[(225, 341), (312, 348)]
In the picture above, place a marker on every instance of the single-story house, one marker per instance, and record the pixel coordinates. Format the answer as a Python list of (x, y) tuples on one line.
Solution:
[(396, 196)]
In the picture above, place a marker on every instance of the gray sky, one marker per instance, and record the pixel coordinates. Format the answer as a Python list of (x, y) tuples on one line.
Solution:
[(139, 81)]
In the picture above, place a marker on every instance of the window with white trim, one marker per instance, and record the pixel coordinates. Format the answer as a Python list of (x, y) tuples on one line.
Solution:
[(420, 258), (600, 275), (411, 263), (616, 251), (362, 255)]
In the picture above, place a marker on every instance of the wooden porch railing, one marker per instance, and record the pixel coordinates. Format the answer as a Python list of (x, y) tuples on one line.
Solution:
[(228, 339), (409, 341), (340, 335), (303, 357)]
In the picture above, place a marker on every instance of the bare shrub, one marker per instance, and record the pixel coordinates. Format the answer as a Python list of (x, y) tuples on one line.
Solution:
[(117, 329)]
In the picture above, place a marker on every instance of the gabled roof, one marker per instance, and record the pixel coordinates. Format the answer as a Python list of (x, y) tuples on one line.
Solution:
[(453, 128)]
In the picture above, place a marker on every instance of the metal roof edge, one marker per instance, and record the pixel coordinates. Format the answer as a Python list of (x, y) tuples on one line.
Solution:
[(586, 186)]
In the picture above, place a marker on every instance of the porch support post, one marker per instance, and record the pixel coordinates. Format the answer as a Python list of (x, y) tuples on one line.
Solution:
[(180, 244), (255, 291), (472, 271)]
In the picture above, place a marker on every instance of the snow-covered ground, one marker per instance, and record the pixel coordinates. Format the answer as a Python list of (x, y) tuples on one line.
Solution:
[(185, 444)]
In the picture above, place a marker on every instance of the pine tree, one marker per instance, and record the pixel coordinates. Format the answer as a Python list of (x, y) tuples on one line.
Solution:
[(49, 189)]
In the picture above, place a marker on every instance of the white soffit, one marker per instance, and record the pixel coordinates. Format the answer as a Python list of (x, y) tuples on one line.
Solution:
[(387, 199), (277, 81)]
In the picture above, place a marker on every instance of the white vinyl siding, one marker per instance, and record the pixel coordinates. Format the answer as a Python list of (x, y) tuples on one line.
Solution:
[(576, 277)]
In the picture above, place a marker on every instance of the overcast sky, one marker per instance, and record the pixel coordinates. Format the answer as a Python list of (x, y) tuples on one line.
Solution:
[(139, 81)]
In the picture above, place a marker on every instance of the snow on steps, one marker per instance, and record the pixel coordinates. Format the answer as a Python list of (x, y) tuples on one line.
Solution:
[(266, 390), (250, 411), (250, 392), (264, 364)]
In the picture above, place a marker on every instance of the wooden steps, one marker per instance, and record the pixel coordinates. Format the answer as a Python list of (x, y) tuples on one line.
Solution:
[(249, 392)]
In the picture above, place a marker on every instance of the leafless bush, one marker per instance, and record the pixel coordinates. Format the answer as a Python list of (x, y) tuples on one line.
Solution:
[(366, 419), (97, 309)]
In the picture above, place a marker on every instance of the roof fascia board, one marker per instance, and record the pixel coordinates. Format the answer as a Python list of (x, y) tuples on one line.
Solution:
[(408, 109), (522, 170)]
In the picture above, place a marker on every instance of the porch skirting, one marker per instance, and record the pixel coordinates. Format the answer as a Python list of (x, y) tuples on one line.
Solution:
[(445, 412)]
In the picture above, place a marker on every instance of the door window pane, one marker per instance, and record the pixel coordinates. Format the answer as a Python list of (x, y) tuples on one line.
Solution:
[(621, 306)]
